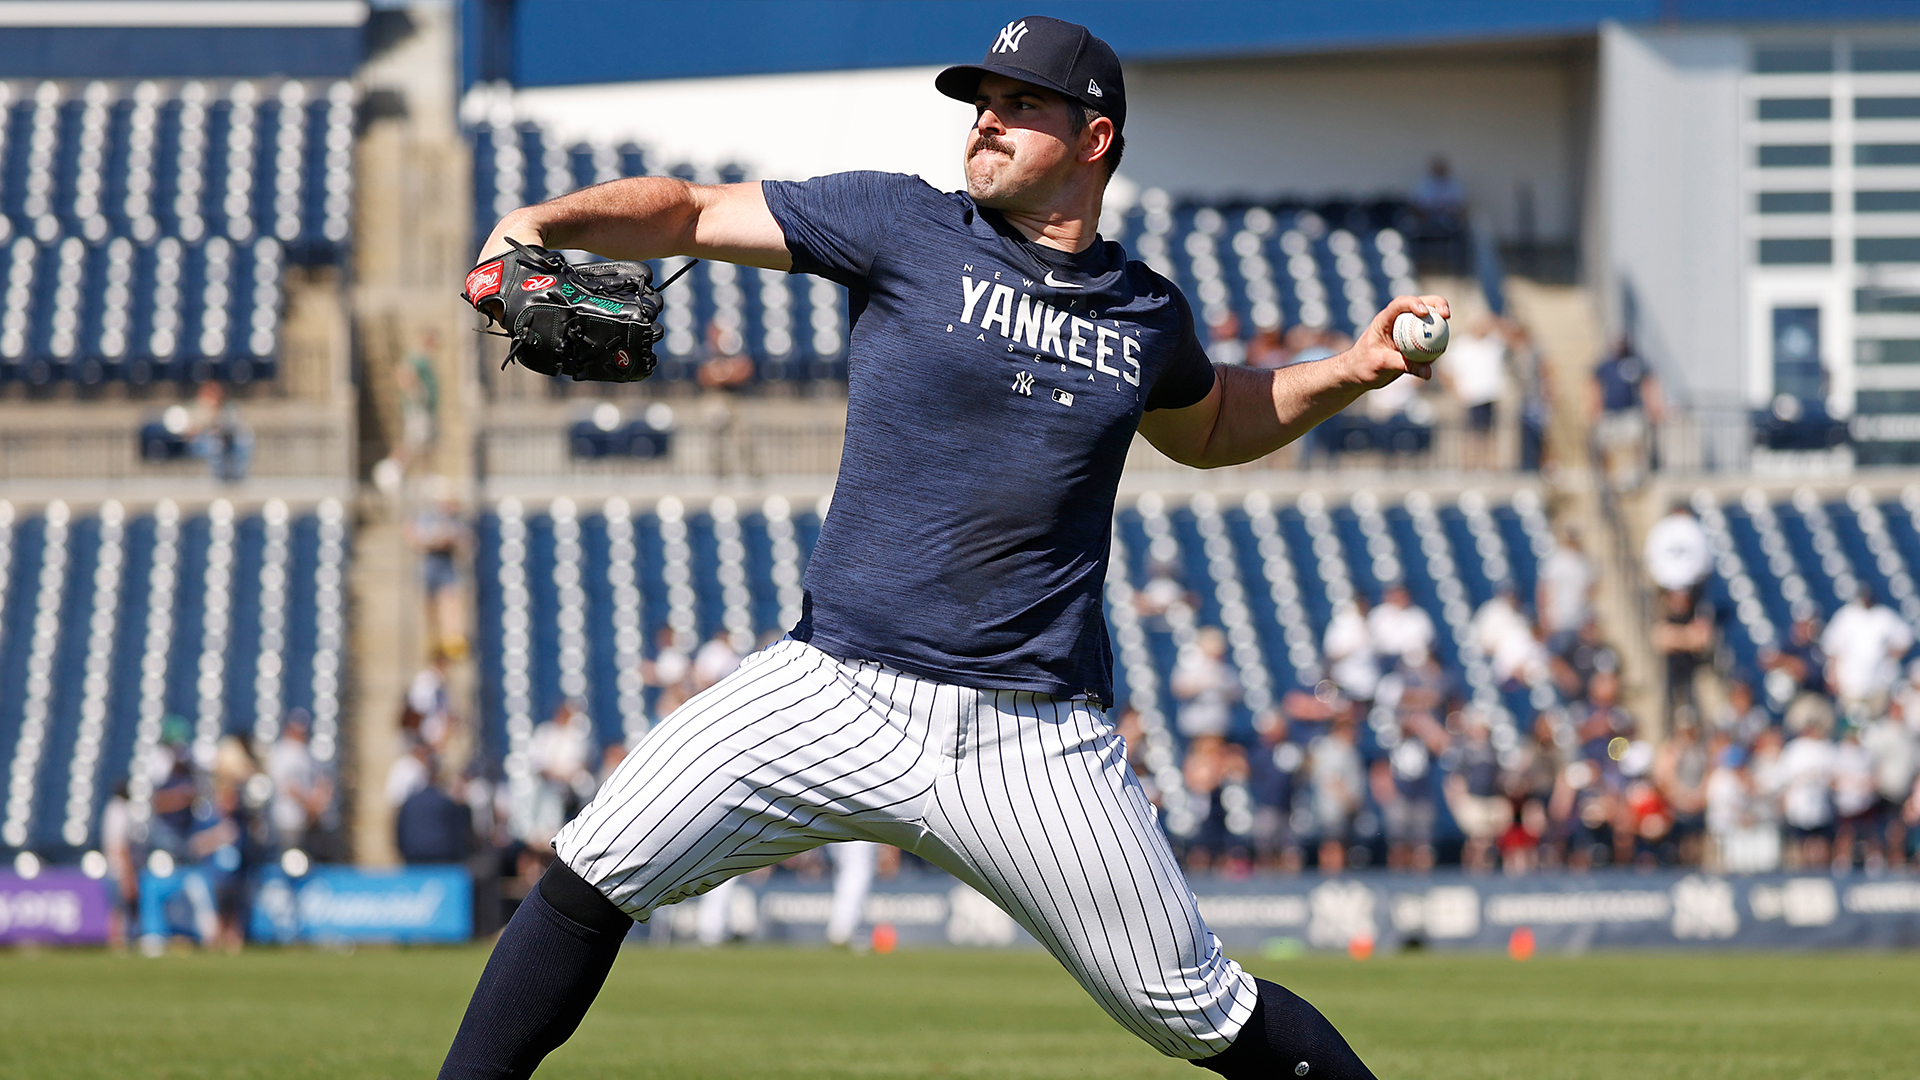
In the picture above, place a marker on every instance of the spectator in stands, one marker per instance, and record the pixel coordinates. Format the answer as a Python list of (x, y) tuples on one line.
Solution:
[(1134, 735), (1895, 752), (1856, 801), (1267, 350), (1419, 685), (562, 753), (419, 393), (433, 826), (1740, 829), (218, 435), (1440, 204), (1398, 628), (1678, 556), (1223, 339), (438, 534), (1274, 773), (1205, 685), (1476, 373), (1680, 768), (1623, 411), (1604, 720), (411, 771), (1337, 788), (1802, 780), (1439, 196), (1349, 648), (1161, 594), (1801, 657), (1865, 642), (1305, 344), (1563, 594), (1738, 717), (1213, 767), (1682, 636), (302, 790), (1472, 789), (123, 865), (1589, 654), (1402, 784), (174, 790), (225, 844), (430, 701), (714, 661), (727, 366), (669, 670)]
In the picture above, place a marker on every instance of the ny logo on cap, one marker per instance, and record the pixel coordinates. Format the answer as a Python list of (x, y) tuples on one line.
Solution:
[(1010, 35)]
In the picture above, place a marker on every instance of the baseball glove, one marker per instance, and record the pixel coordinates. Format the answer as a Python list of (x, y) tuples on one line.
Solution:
[(591, 322)]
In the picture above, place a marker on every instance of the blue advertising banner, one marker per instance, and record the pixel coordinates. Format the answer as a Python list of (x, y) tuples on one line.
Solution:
[(345, 903), (1567, 913)]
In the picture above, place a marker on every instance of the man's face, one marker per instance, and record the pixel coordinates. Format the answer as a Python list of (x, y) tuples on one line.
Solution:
[(1021, 147)]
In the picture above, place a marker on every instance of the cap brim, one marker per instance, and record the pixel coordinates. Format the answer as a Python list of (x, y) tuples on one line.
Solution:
[(962, 81)]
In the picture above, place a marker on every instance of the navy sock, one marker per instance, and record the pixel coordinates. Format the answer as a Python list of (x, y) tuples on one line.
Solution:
[(1286, 1037), (546, 969)]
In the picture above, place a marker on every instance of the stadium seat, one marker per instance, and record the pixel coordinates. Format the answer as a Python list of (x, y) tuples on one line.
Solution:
[(112, 620), (147, 229)]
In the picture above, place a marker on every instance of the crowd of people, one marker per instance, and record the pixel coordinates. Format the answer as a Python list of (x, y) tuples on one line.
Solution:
[(1388, 759), (224, 809)]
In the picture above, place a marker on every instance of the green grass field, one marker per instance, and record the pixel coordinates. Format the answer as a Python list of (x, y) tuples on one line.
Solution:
[(780, 1013)]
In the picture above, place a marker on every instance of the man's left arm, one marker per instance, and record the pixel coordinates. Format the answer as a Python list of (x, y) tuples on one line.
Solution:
[(1251, 413)]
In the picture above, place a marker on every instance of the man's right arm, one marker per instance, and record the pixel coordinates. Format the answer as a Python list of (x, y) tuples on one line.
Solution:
[(649, 217)]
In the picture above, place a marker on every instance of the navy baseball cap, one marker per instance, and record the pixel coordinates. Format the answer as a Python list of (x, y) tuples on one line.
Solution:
[(1063, 57)]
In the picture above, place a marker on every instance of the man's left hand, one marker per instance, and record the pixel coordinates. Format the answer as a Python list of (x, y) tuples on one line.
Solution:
[(1374, 361)]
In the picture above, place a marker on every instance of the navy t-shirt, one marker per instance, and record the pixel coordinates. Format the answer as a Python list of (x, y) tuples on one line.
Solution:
[(993, 388)]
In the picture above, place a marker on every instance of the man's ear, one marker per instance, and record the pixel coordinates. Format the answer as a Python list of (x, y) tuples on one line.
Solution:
[(1096, 140)]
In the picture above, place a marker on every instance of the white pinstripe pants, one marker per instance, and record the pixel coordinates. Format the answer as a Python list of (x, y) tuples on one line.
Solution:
[(1026, 798)]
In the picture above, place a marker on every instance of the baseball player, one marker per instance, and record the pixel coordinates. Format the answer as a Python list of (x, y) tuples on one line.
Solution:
[(945, 690)]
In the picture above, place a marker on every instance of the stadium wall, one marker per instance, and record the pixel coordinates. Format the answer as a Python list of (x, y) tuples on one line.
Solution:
[(1512, 121), (1663, 245)]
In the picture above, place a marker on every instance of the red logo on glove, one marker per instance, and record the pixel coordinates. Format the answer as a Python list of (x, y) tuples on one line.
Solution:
[(620, 357), (538, 282), (483, 281)]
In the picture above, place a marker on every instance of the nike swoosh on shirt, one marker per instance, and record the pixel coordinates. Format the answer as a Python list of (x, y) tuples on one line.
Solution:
[(1058, 284)]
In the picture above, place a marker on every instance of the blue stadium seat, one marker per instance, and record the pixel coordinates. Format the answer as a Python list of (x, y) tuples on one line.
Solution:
[(108, 673)]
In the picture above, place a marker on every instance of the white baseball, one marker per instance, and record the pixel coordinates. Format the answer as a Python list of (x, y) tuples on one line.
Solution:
[(1420, 339)]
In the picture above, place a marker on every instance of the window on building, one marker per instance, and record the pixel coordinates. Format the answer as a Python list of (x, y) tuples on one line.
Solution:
[(1792, 59), (1886, 58), (1810, 155), (1882, 402), (1888, 350), (1879, 301), (1796, 353), (1886, 154), (1798, 250), (1886, 202), (1796, 202), (1796, 108), (1884, 249), (1886, 108)]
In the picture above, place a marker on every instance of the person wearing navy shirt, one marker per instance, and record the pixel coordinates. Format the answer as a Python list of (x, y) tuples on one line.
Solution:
[(945, 689)]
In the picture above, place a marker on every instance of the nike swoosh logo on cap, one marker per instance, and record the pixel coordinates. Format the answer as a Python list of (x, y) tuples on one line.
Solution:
[(1056, 283)]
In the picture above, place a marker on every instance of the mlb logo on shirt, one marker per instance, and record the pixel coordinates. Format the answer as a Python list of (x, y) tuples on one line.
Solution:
[(1063, 397)]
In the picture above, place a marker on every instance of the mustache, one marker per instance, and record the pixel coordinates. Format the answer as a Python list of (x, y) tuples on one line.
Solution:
[(984, 142)]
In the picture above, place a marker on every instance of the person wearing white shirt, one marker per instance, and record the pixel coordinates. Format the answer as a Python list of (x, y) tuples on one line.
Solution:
[(1677, 553), (1398, 627), (1349, 647), (1865, 642), (1205, 685), (1476, 372), (1804, 774), (1564, 596)]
